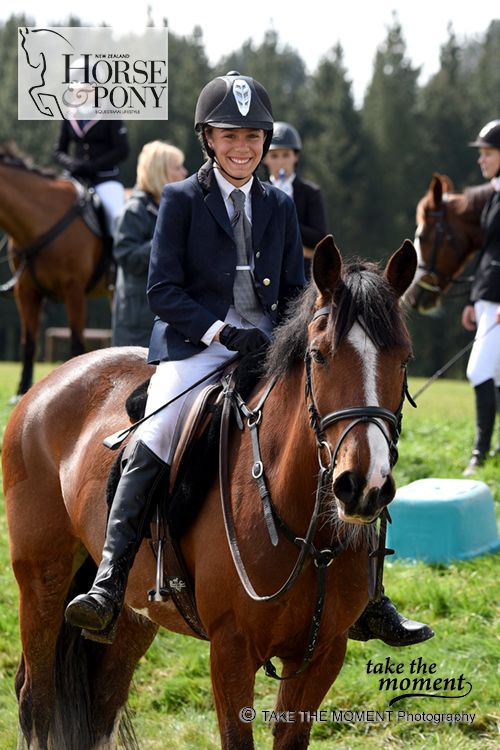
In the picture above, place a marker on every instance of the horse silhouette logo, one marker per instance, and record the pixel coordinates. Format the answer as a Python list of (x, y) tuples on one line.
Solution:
[(40, 46)]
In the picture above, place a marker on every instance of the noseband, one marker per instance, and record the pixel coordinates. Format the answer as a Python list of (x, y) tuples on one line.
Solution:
[(442, 231), (357, 414)]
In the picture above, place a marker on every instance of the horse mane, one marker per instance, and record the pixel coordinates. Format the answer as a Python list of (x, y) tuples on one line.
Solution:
[(12, 157), (361, 293)]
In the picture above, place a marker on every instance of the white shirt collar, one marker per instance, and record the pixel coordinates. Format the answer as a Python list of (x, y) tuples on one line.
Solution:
[(227, 188)]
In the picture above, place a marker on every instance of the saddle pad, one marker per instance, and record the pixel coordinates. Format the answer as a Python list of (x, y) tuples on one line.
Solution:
[(196, 422)]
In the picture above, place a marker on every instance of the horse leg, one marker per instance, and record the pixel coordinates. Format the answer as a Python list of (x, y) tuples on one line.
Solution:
[(76, 306), (111, 673), (42, 589), (29, 303), (300, 697), (233, 677)]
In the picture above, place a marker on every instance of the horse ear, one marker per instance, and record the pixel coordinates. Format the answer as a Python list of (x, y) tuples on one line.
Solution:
[(401, 268), (326, 265), (436, 189), (448, 186)]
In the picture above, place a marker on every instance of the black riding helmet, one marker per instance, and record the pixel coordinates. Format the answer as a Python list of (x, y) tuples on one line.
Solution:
[(489, 136), (234, 101), (285, 136)]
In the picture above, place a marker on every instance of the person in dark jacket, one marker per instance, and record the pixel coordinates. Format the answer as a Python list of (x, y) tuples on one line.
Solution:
[(281, 161), (159, 163), (483, 311), (226, 259), (91, 150)]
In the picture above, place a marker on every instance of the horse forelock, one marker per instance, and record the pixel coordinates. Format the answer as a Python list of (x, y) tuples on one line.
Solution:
[(11, 157), (362, 294)]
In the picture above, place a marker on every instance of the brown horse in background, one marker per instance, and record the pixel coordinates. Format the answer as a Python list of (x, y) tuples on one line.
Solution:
[(448, 234), (348, 329), (32, 201)]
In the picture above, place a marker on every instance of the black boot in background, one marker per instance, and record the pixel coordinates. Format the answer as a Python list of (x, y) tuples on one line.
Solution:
[(131, 513), (486, 407)]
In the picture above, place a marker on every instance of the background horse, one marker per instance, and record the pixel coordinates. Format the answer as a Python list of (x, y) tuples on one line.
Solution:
[(31, 203), (448, 234), (349, 328)]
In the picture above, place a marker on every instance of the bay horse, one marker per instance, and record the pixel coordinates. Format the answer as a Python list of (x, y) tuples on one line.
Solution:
[(448, 234), (32, 202), (348, 328)]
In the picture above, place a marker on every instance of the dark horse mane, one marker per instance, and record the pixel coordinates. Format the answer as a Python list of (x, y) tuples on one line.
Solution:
[(363, 293), (11, 157)]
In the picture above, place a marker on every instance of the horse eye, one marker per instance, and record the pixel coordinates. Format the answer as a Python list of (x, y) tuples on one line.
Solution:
[(407, 361), (319, 357)]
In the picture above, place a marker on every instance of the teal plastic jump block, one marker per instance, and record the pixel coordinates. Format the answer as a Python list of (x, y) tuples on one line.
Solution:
[(440, 520)]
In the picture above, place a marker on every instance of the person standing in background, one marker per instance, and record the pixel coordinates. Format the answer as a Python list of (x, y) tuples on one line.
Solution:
[(281, 161), (159, 163), (482, 313)]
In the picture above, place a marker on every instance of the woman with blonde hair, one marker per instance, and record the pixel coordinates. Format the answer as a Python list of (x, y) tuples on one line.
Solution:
[(159, 163)]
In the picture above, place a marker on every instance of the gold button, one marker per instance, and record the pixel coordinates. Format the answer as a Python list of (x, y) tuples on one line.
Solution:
[(273, 307), (267, 282), (257, 255)]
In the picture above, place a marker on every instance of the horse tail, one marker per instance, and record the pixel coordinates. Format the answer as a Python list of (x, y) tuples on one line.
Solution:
[(74, 661)]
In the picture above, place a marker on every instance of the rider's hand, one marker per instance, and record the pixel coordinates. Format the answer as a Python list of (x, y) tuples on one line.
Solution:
[(242, 340), (469, 318)]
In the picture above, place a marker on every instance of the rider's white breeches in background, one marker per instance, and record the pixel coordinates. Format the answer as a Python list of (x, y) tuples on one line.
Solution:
[(484, 361), (112, 195)]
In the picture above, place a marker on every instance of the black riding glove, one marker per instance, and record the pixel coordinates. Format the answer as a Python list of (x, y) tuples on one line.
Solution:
[(242, 340)]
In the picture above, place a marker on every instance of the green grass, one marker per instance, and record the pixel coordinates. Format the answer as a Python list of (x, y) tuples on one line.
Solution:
[(171, 698)]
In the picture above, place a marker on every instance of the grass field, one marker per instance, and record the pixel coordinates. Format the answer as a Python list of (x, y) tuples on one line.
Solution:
[(171, 698)]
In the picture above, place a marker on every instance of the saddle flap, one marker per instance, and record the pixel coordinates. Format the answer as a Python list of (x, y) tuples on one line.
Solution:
[(196, 421)]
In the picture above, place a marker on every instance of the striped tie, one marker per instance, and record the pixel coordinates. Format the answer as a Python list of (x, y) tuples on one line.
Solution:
[(246, 300)]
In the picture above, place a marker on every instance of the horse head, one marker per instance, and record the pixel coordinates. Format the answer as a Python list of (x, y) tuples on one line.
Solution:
[(448, 233), (359, 348)]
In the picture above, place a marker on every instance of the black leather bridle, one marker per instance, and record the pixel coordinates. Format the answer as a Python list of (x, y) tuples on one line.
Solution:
[(442, 231)]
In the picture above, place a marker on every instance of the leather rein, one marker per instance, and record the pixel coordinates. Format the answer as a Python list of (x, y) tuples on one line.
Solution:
[(442, 231), (320, 558)]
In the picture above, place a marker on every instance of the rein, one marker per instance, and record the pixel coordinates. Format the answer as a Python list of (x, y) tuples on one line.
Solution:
[(442, 231), (321, 558)]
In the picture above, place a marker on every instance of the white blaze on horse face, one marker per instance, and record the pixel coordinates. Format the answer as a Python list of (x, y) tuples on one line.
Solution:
[(380, 466)]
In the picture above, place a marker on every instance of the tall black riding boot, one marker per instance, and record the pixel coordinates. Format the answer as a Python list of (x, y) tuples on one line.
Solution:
[(131, 512), (486, 407), (382, 620)]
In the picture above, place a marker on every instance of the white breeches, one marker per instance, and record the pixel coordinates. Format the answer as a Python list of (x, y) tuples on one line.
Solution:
[(112, 195), (484, 361), (161, 433)]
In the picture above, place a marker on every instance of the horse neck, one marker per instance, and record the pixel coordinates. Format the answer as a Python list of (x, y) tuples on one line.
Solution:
[(467, 221), (31, 203), (288, 447)]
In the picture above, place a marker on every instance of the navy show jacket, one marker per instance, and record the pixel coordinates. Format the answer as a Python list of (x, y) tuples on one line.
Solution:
[(193, 260)]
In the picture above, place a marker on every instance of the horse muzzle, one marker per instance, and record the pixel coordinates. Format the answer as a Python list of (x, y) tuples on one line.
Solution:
[(356, 503)]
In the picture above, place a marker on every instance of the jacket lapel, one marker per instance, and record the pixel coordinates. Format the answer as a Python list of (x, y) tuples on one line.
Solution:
[(213, 197), (261, 211)]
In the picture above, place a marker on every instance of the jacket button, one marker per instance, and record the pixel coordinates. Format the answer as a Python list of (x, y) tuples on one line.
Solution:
[(273, 307), (257, 255), (86, 146), (267, 282)]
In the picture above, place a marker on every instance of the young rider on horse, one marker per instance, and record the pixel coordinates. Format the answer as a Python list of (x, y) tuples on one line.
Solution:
[(210, 298)]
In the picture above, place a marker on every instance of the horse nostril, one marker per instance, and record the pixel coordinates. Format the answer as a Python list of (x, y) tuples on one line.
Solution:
[(347, 487)]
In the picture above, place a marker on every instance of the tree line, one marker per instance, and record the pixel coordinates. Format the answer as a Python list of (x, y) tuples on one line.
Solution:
[(373, 162)]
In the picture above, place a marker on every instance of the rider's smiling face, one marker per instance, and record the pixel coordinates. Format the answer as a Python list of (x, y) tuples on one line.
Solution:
[(238, 151)]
